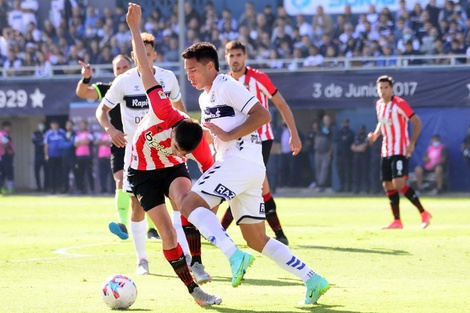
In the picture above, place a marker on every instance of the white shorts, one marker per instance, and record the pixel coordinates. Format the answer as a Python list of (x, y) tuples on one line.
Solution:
[(127, 161), (240, 183)]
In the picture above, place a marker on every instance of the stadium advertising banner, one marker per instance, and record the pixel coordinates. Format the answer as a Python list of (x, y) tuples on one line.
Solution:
[(302, 90), (308, 7), (36, 98), (335, 90)]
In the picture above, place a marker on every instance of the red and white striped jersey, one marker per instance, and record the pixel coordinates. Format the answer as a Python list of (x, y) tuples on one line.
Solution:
[(260, 85), (151, 145), (393, 118)]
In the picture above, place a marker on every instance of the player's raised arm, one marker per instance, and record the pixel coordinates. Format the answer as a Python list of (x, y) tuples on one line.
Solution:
[(83, 89), (134, 13)]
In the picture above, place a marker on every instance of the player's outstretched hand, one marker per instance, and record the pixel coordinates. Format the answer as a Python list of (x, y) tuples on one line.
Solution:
[(86, 69), (134, 12)]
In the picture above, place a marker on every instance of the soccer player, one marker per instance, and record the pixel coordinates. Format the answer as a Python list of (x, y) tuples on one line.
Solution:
[(158, 165), (261, 86), (128, 92), (121, 64), (233, 115), (393, 115)]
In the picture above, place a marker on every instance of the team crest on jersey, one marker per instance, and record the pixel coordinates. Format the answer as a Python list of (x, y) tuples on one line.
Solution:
[(224, 192), (212, 98), (162, 94)]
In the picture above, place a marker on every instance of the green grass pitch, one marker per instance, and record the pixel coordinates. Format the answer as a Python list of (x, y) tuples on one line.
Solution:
[(55, 253)]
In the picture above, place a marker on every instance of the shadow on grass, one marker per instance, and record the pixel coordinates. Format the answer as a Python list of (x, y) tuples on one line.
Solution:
[(249, 282), (317, 308), (359, 250)]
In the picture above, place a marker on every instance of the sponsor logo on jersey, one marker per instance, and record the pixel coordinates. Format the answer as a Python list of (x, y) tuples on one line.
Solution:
[(137, 102), (261, 208), (154, 143), (218, 111), (224, 192)]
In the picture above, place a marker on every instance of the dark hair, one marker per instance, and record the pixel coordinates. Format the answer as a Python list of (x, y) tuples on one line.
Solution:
[(6, 124), (235, 44), (385, 79), (188, 134), (203, 52)]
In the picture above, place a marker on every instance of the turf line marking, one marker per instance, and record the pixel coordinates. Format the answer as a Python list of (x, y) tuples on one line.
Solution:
[(65, 254)]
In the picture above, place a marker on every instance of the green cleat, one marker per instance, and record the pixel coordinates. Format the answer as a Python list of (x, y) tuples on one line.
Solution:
[(316, 287), (239, 262)]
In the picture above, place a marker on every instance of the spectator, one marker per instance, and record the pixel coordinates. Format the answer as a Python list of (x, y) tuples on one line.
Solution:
[(465, 147), (344, 140), (53, 141), (16, 17), (407, 37), (68, 158), (12, 64), (433, 11), (7, 154), (435, 160), (322, 21), (287, 161), (314, 59), (104, 158), (83, 151), (39, 160), (361, 161), (310, 147), (43, 67), (324, 154), (227, 18), (190, 12), (411, 53), (304, 27)]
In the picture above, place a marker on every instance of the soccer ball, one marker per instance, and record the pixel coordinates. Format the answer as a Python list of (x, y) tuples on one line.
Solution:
[(119, 292)]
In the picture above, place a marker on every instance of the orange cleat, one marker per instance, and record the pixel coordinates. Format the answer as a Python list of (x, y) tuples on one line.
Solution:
[(396, 224), (425, 218)]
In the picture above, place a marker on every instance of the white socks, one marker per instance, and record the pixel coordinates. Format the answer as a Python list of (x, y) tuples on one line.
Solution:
[(139, 235), (181, 236), (209, 226), (284, 257)]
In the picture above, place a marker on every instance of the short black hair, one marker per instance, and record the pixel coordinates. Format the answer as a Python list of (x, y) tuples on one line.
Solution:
[(204, 52), (188, 134), (385, 79), (235, 44)]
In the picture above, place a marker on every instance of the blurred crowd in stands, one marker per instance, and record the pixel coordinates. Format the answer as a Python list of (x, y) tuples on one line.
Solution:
[(75, 32)]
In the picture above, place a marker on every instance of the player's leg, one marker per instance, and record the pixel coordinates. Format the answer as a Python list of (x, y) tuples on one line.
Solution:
[(121, 197), (270, 205), (138, 228), (391, 192), (271, 213), (227, 218), (254, 232), (399, 182), (170, 246), (197, 205), (179, 188)]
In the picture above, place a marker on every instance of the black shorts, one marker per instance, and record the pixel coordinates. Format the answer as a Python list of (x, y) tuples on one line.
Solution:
[(393, 167), (117, 158), (151, 187), (266, 149)]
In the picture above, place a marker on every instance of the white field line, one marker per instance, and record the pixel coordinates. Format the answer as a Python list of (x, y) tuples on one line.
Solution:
[(67, 254)]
